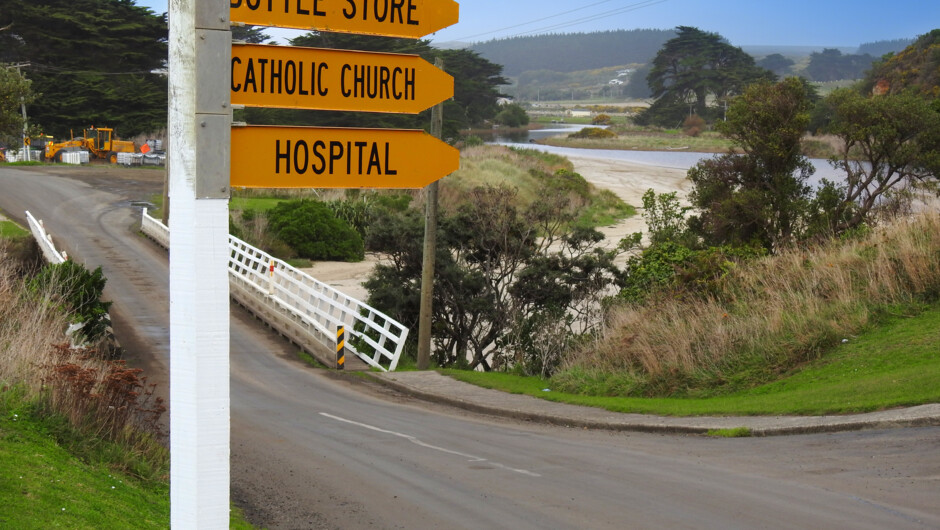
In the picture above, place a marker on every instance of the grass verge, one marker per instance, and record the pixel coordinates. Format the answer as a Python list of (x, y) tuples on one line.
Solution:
[(45, 485), (892, 365), (79, 441), (737, 432), (670, 140), (11, 230)]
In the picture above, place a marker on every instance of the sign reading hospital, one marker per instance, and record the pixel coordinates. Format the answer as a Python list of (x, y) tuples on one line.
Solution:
[(325, 157), (318, 79), (392, 18)]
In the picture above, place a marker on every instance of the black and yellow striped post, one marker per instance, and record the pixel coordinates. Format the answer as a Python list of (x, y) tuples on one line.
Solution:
[(340, 347)]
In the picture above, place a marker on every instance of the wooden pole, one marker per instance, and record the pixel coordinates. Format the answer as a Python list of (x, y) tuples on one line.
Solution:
[(430, 247)]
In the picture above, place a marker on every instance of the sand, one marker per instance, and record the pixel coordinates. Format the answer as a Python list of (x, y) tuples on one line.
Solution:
[(628, 180)]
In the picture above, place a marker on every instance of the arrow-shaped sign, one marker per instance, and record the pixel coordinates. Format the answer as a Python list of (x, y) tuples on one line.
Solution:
[(324, 157), (318, 79), (392, 18)]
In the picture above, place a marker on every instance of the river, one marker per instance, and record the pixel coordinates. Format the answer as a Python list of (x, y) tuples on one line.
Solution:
[(671, 159)]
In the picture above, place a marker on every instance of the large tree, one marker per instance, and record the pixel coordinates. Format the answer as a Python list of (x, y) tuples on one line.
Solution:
[(476, 88), (693, 68), (831, 65), (761, 195), (889, 142), (776, 63), (93, 61), (14, 91), (507, 279)]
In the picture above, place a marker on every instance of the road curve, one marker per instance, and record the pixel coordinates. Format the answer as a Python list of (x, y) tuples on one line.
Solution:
[(310, 450)]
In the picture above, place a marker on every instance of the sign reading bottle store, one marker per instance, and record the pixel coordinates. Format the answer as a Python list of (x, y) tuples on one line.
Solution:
[(391, 18)]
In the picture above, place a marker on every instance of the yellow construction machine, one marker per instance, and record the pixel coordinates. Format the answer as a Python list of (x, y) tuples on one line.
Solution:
[(101, 143)]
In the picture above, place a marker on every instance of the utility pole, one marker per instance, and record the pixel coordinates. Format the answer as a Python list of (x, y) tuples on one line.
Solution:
[(430, 247), (25, 149), (198, 165)]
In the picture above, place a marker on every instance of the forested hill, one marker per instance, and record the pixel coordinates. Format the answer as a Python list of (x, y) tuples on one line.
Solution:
[(572, 52)]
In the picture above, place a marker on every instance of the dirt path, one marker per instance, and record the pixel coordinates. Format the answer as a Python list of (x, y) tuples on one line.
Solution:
[(630, 181)]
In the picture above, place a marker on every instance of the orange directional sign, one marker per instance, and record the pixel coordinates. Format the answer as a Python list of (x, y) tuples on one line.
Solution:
[(311, 78), (392, 18), (315, 157)]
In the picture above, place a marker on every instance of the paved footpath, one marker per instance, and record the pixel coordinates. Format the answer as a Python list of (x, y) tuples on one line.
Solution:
[(432, 386)]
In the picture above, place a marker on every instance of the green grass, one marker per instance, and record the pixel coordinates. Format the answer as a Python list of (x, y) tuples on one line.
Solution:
[(30, 163), (11, 230), (44, 485), (737, 432), (648, 141), (259, 204), (895, 364), (299, 263)]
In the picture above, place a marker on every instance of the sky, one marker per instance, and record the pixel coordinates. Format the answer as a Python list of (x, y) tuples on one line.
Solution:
[(822, 23)]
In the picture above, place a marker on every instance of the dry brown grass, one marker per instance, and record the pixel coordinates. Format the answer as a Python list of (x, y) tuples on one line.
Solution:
[(96, 395), (494, 165), (27, 329), (773, 314)]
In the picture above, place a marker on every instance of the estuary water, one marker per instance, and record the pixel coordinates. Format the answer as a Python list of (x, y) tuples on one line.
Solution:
[(671, 159)]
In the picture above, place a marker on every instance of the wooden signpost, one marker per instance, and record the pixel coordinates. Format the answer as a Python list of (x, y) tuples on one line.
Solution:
[(200, 179)]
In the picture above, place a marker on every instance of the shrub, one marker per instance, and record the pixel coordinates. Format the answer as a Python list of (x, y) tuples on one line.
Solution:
[(313, 231), (472, 141), (693, 125), (80, 295), (601, 119), (593, 133), (512, 115)]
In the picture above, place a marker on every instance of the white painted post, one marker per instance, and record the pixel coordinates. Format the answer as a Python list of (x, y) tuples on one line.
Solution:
[(198, 175)]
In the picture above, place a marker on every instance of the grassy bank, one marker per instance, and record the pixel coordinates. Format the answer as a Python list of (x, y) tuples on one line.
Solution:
[(847, 326), (58, 478), (894, 363), (80, 437), (768, 318), (47, 486), (646, 140), (527, 170)]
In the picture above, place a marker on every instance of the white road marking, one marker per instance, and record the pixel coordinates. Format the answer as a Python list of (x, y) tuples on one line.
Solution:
[(416, 441)]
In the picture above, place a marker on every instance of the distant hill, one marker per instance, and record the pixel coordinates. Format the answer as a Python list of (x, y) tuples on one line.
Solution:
[(759, 51), (879, 48), (573, 52)]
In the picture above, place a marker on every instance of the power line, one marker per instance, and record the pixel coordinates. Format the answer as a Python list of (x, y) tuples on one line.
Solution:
[(536, 20), (626, 9), (574, 22)]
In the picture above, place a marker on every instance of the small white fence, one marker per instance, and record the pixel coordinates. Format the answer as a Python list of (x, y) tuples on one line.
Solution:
[(45, 241), (301, 307)]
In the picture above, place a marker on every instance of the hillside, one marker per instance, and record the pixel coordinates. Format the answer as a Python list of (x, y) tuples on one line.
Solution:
[(574, 51), (917, 67)]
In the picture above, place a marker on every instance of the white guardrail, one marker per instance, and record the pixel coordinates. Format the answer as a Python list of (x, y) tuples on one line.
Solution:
[(301, 307), (45, 241)]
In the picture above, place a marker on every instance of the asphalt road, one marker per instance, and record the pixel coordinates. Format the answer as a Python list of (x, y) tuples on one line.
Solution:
[(310, 450)]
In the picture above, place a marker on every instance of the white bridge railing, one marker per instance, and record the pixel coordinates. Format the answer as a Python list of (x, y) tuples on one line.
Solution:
[(44, 240), (301, 307)]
